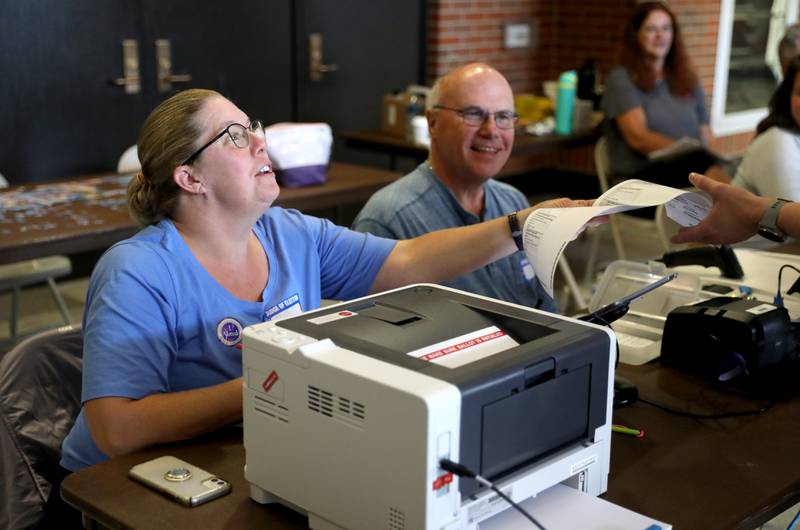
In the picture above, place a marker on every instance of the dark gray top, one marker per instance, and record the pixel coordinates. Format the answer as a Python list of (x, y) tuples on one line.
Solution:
[(666, 113), (420, 203)]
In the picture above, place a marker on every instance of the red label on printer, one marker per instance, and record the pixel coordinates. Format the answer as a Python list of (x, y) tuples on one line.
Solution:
[(442, 481), (466, 348), (271, 379)]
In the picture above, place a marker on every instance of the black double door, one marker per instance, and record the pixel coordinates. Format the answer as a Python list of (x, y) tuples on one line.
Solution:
[(65, 110), (377, 46)]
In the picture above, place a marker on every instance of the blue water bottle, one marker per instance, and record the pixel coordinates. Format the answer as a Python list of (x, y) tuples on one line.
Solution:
[(565, 101)]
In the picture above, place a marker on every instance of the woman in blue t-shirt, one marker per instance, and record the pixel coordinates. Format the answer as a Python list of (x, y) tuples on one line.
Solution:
[(166, 308), (653, 100)]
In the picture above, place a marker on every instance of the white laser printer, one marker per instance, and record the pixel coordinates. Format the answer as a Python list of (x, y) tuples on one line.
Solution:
[(349, 409)]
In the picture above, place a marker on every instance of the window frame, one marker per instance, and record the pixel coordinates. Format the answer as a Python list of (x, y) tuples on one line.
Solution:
[(723, 124)]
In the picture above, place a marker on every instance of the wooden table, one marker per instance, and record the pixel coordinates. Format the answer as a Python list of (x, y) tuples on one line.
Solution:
[(525, 156), (734, 473), (91, 212), (106, 495)]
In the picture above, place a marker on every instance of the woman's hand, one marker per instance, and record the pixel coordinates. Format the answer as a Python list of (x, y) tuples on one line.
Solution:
[(733, 217)]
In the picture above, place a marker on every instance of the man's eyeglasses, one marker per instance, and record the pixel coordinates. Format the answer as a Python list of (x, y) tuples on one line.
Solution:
[(476, 116), (238, 133)]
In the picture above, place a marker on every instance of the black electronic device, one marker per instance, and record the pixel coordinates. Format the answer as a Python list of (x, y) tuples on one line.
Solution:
[(795, 287), (721, 256), (617, 309), (717, 288), (625, 392), (726, 338)]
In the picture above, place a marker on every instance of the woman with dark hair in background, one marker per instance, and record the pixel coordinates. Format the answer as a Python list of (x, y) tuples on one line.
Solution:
[(771, 165), (654, 99)]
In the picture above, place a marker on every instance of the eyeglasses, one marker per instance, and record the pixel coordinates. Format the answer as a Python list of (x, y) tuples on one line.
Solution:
[(476, 116), (238, 133)]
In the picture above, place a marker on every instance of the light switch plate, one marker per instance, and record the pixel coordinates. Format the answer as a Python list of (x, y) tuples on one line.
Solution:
[(517, 35)]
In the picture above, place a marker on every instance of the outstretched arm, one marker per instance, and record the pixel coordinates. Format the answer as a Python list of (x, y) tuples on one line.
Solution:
[(734, 215), (446, 254)]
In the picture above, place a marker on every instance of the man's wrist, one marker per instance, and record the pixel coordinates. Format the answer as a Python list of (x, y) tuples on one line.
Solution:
[(516, 230)]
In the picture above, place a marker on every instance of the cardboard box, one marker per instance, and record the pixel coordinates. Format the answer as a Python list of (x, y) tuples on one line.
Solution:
[(397, 110)]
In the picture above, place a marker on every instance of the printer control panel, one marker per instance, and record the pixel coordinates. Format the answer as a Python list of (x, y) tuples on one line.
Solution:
[(283, 339)]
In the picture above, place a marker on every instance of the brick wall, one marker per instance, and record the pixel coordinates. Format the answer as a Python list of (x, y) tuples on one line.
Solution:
[(463, 31), (565, 33)]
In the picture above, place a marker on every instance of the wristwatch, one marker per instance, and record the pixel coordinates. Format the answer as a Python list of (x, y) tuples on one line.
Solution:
[(516, 231), (768, 225)]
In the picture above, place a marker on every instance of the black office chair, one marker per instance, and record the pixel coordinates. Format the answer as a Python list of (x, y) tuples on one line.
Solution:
[(40, 397)]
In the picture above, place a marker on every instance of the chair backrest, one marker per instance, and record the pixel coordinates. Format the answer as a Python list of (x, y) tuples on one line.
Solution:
[(663, 225), (40, 397), (129, 161), (602, 163)]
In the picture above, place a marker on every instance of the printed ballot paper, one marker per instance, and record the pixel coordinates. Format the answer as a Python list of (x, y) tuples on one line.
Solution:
[(548, 231)]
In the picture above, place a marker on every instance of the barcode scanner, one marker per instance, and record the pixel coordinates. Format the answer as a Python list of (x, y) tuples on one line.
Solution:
[(625, 392)]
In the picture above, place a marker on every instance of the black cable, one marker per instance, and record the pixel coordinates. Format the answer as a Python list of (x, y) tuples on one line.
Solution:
[(512, 503), (778, 301), (463, 471), (712, 416)]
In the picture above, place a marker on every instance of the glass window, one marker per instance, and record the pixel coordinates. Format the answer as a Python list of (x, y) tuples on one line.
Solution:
[(747, 66)]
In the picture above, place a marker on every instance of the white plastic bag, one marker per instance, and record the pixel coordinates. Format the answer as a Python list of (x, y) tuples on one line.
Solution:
[(299, 152)]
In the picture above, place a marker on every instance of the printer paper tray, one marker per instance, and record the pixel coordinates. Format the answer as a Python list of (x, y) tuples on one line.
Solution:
[(565, 507)]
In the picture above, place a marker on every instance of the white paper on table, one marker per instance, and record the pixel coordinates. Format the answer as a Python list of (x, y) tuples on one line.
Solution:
[(562, 507), (547, 231)]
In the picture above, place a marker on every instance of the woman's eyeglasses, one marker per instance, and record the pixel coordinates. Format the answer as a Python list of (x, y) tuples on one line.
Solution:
[(238, 133)]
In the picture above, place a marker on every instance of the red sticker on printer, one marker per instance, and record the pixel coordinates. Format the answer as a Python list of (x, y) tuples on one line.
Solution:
[(442, 481), (271, 379), (330, 317)]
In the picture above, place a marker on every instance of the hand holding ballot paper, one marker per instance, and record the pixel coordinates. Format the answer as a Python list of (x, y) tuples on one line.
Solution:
[(548, 231)]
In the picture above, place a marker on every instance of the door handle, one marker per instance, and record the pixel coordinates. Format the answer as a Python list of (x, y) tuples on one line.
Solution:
[(164, 75), (316, 67), (130, 68)]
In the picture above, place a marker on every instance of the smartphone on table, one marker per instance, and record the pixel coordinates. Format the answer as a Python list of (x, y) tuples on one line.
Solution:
[(180, 480)]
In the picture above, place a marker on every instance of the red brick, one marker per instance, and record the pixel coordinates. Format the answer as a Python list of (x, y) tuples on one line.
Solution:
[(566, 33)]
